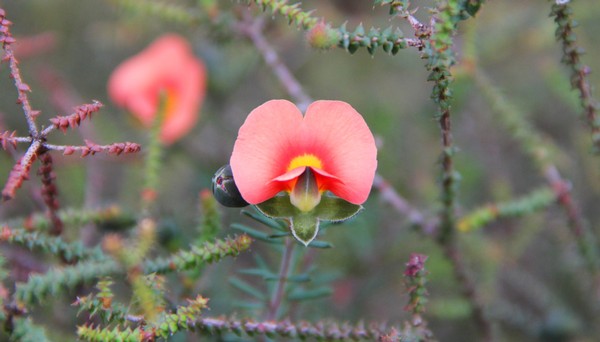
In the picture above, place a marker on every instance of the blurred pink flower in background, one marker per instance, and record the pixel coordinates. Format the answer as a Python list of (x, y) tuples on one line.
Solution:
[(167, 69), (277, 144)]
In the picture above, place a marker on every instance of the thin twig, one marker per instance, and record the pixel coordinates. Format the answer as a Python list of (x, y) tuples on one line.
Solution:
[(252, 28), (92, 148), (22, 88), (441, 59), (64, 97), (469, 290), (422, 31), (572, 55), (448, 179), (401, 205), (38, 140), (298, 330)]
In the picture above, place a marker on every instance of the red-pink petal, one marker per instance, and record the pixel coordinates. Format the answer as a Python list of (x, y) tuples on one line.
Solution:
[(266, 142), (339, 135), (167, 65), (288, 176), (190, 94)]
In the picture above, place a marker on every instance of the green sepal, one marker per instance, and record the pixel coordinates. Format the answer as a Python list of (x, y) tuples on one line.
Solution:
[(278, 207), (336, 209), (305, 225)]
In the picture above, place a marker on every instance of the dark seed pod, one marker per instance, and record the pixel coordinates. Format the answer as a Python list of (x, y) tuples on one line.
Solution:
[(225, 190)]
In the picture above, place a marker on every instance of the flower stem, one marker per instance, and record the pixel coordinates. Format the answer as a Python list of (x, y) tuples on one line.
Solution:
[(152, 163), (284, 270)]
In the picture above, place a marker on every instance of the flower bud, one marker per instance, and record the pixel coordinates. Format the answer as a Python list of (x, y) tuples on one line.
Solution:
[(225, 190)]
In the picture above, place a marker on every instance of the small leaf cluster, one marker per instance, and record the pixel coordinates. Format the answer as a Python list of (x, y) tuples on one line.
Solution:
[(395, 5), (391, 40), (59, 280), (537, 200), (292, 12), (111, 218), (26, 331), (102, 304), (416, 278), (97, 334), (183, 319), (166, 324), (165, 10), (210, 223), (34, 240), (197, 256)]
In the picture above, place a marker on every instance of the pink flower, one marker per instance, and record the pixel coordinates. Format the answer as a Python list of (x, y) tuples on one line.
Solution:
[(276, 146), (415, 264), (167, 69)]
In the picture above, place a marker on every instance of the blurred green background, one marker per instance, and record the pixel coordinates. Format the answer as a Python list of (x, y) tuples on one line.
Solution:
[(530, 275)]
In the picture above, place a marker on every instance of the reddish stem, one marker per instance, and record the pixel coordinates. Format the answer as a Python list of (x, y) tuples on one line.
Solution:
[(20, 171), (50, 193)]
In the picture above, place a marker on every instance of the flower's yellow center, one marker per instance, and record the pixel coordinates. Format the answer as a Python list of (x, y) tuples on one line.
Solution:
[(167, 103), (305, 160), (170, 104)]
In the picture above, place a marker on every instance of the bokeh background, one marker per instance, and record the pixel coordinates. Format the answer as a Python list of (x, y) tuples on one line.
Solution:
[(528, 270)]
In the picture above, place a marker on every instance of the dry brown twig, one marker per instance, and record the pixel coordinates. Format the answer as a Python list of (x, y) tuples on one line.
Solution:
[(37, 138)]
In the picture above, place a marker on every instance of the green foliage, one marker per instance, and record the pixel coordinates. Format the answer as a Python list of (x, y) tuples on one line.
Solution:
[(198, 255), (182, 319), (541, 149), (210, 223), (322, 36), (39, 241), (291, 284), (473, 6), (440, 57), (478, 218), (111, 218), (293, 13), (148, 295), (59, 280), (97, 334), (102, 304), (162, 9), (391, 40), (25, 330), (395, 5), (153, 160)]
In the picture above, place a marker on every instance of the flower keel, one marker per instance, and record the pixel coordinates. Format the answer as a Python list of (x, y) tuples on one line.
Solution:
[(306, 195)]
